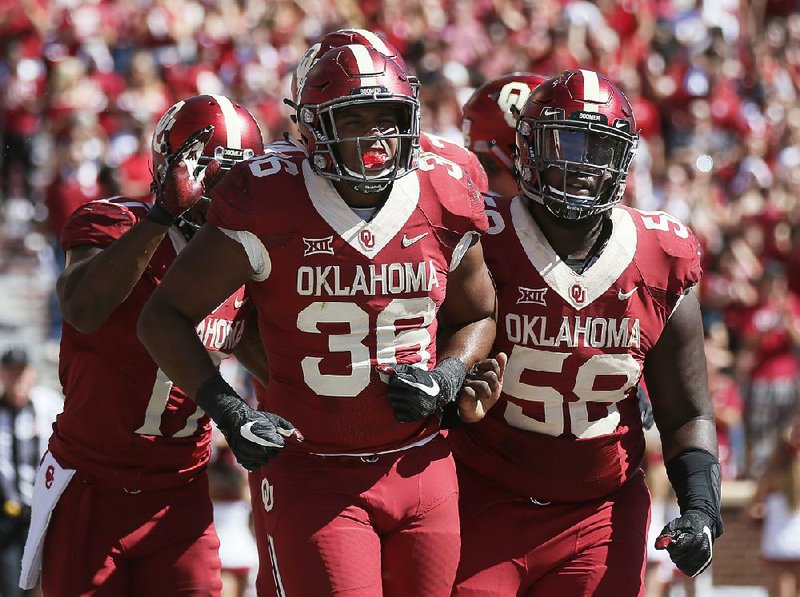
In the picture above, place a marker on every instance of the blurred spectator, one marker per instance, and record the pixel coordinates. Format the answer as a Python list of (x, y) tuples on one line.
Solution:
[(771, 338), (229, 493), (23, 85), (27, 413), (728, 403), (777, 502)]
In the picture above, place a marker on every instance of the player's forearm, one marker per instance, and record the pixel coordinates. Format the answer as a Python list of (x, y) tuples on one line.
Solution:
[(93, 289), (698, 433), (470, 342), (171, 339), (250, 351)]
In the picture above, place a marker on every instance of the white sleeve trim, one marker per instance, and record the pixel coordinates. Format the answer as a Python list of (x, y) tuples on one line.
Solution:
[(461, 248), (257, 253), (680, 300)]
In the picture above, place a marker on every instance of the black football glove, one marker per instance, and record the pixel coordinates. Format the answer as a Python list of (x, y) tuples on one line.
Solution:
[(416, 393), (645, 407), (689, 539), (175, 187), (253, 436)]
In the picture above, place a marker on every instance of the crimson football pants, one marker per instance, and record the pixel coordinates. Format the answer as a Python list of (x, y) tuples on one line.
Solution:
[(361, 527), (104, 541), (514, 546)]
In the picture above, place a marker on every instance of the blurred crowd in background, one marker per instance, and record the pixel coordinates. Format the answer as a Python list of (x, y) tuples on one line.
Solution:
[(714, 85)]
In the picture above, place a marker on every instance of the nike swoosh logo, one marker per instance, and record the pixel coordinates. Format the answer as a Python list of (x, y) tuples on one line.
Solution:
[(624, 296), (237, 304), (432, 390), (707, 563), (247, 434), (407, 242)]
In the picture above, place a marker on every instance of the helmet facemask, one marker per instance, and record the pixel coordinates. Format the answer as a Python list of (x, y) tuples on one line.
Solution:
[(371, 175), (577, 169)]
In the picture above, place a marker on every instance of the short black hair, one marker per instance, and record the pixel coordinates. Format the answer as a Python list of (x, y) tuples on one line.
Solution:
[(16, 355)]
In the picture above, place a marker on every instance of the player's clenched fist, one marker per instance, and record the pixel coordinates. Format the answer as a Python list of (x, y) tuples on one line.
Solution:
[(253, 436), (482, 388), (176, 188), (689, 539), (416, 393)]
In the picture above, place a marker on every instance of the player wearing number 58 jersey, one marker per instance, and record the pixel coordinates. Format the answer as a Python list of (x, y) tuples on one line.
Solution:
[(591, 296), (125, 475), (363, 261)]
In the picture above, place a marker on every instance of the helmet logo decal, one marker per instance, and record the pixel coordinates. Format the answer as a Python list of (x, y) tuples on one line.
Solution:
[(160, 137), (578, 294), (513, 95), (306, 62), (318, 246)]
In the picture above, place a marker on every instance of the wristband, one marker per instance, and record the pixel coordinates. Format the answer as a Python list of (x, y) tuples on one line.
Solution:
[(219, 401), (452, 373), (159, 215), (695, 477)]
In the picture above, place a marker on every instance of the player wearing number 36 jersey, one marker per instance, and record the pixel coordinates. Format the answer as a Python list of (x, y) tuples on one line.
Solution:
[(363, 261), (591, 295), (125, 477)]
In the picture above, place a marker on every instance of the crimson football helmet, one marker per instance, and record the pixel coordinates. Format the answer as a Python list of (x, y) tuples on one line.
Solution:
[(490, 118), (236, 137), (576, 138), (337, 39), (356, 75)]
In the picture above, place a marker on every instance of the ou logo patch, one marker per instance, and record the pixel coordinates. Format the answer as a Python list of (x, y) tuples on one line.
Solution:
[(267, 494), (367, 239), (49, 476), (578, 294), (513, 95)]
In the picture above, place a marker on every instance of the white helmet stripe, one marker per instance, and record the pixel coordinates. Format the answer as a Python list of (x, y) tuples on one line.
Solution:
[(375, 41), (232, 122), (365, 64), (591, 90)]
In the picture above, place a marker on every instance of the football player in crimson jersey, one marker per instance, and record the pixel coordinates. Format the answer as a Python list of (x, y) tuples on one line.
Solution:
[(591, 295), (128, 455), (489, 126), (428, 142), (355, 259)]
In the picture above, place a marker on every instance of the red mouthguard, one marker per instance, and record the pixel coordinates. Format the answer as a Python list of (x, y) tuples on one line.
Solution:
[(374, 159)]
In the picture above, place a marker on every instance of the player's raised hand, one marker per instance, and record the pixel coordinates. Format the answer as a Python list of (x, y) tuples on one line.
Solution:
[(482, 388), (175, 186), (253, 436)]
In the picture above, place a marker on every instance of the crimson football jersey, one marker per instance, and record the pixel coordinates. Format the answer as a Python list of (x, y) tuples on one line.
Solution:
[(337, 296), (123, 420), (567, 426), (458, 155)]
